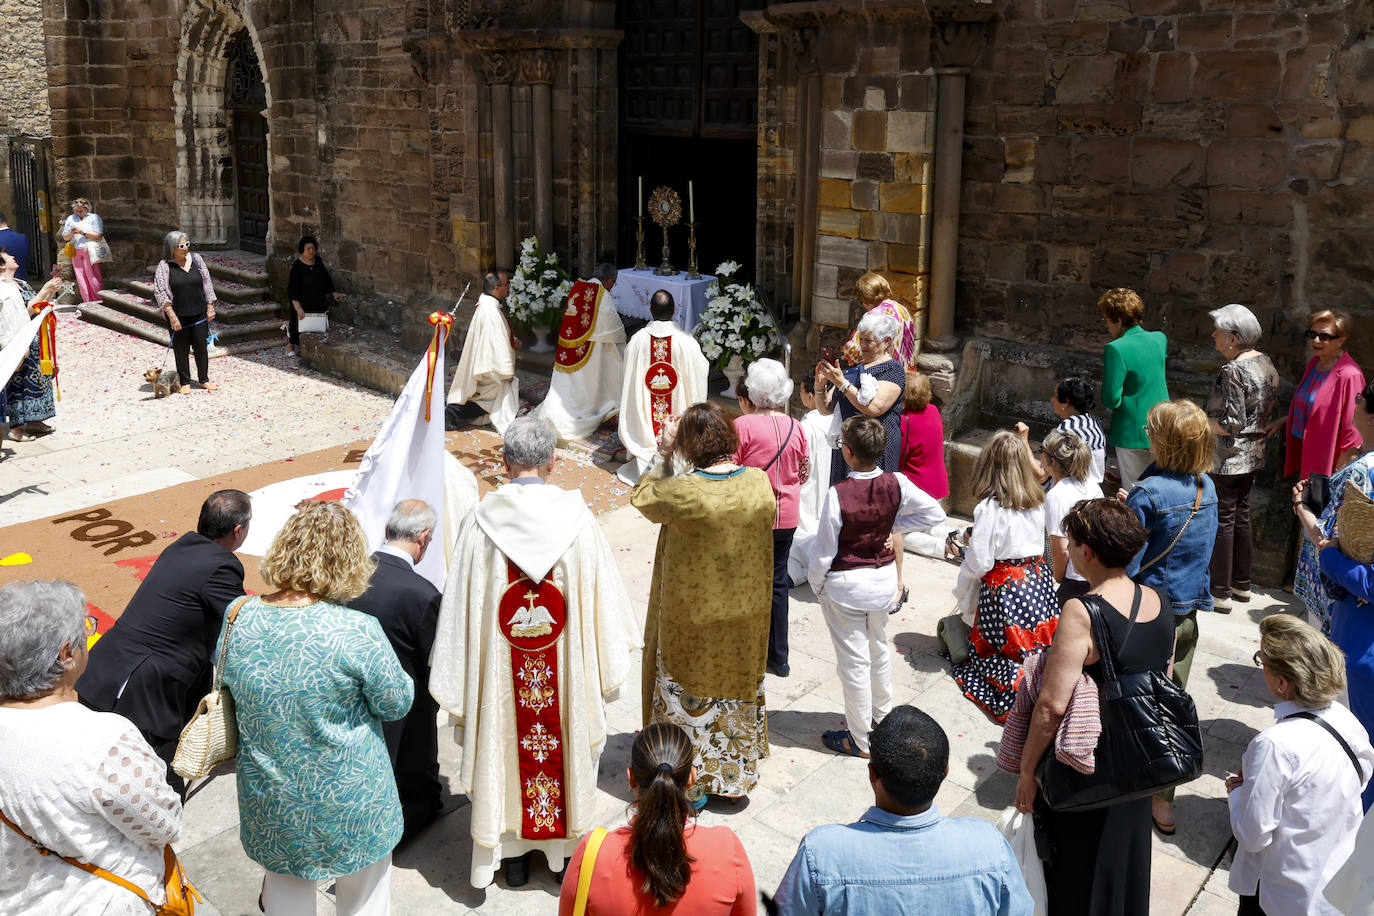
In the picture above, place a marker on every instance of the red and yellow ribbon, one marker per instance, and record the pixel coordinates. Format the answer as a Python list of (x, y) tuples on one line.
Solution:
[(47, 345), (442, 322)]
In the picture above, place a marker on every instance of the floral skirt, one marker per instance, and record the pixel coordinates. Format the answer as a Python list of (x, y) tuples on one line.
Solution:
[(30, 391), (1017, 615), (730, 737)]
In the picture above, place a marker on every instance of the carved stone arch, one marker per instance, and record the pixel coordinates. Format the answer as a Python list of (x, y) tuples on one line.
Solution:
[(205, 155)]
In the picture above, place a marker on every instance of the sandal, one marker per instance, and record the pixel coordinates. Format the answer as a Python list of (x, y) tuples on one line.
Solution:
[(953, 549), (841, 742), (906, 593), (17, 434), (208, 386)]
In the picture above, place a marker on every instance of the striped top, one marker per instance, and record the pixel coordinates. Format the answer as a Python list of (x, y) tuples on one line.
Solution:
[(1089, 430)]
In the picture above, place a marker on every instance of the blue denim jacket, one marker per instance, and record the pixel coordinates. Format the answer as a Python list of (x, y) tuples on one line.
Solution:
[(1162, 500), (888, 864)]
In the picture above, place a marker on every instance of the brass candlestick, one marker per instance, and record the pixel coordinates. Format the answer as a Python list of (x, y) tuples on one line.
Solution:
[(666, 269), (640, 263), (692, 272)]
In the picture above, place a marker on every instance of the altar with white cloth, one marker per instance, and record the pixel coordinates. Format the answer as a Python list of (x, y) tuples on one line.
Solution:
[(633, 288)]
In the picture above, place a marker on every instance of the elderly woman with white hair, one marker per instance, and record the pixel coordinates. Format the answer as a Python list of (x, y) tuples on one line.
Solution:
[(83, 784), (1242, 399), (186, 295), (776, 444), (872, 388)]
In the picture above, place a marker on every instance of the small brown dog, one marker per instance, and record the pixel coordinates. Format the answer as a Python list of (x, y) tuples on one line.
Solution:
[(164, 382)]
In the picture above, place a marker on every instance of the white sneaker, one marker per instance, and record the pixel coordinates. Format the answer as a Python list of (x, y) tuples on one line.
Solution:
[(1221, 605)]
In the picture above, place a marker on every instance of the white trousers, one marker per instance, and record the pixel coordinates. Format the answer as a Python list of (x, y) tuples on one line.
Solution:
[(864, 664), (363, 893), (1131, 462)]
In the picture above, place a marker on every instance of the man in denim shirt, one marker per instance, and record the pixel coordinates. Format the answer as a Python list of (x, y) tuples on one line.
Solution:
[(902, 856)]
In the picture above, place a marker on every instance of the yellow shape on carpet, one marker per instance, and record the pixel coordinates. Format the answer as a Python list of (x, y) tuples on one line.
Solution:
[(16, 559)]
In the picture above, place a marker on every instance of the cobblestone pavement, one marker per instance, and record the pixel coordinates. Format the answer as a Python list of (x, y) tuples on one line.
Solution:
[(113, 442)]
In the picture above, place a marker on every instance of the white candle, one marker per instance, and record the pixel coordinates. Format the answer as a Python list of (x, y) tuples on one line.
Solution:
[(691, 204), (641, 195)]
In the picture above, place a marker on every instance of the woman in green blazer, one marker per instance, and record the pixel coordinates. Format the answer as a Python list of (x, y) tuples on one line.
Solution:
[(1132, 379)]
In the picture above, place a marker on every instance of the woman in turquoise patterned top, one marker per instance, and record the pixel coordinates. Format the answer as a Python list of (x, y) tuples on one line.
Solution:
[(312, 683)]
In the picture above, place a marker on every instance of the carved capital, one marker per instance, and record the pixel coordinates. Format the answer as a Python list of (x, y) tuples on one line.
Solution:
[(958, 44), (496, 67), (801, 45), (536, 67)]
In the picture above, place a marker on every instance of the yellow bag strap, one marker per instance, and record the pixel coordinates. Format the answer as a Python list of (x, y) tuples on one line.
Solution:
[(584, 876), (84, 866)]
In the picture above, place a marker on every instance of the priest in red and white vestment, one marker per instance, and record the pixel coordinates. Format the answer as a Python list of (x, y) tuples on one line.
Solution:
[(534, 637), (665, 374), (585, 387), (486, 368)]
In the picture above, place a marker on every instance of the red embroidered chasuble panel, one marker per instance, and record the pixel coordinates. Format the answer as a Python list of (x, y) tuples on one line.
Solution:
[(661, 380), (531, 619)]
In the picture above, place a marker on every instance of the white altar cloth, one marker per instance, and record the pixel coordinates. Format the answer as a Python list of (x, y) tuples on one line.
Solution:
[(634, 287)]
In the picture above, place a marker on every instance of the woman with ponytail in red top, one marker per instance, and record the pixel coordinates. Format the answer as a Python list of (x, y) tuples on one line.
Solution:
[(663, 861)]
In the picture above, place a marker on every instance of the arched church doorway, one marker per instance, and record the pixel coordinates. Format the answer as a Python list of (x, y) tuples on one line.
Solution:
[(689, 110), (245, 101)]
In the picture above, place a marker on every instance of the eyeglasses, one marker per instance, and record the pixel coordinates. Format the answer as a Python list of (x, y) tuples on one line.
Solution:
[(91, 626), (184, 245), (1258, 659), (1322, 336)]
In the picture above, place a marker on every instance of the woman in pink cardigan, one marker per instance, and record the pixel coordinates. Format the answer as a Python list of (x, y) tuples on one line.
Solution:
[(1321, 435)]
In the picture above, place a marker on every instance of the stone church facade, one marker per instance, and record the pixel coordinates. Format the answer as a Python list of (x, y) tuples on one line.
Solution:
[(1002, 162)]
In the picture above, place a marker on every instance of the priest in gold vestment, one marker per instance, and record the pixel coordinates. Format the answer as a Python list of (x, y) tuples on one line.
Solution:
[(534, 636)]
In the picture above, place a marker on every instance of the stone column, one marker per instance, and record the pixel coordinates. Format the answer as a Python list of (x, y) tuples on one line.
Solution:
[(537, 70), (499, 74), (802, 43), (944, 244)]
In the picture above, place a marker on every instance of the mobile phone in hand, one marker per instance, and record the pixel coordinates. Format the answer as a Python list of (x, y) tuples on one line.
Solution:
[(828, 354), (56, 271)]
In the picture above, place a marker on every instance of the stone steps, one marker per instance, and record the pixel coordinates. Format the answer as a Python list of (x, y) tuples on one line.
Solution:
[(226, 291), (245, 337), (134, 301), (237, 266)]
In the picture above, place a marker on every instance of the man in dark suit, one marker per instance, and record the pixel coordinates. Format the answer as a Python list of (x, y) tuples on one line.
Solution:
[(155, 664), (407, 605), (17, 243)]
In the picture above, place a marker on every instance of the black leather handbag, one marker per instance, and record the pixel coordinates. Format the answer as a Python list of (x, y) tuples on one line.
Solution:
[(1150, 738)]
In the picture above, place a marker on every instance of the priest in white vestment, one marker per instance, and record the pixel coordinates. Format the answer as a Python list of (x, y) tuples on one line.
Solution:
[(535, 635), (486, 368), (665, 374), (585, 387)]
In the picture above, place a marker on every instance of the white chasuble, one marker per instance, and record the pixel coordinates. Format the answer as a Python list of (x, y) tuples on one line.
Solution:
[(486, 367), (534, 636), (665, 374), (585, 387)]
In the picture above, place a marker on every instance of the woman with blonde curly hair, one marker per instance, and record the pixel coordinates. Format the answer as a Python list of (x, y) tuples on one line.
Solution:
[(1177, 503), (1005, 587), (312, 683)]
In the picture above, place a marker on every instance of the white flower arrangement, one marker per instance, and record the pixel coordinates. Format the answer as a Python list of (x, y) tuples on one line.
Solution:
[(735, 323), (539, 288)]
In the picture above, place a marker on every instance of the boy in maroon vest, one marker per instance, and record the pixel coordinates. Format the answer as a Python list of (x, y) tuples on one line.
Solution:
[(853, 572)]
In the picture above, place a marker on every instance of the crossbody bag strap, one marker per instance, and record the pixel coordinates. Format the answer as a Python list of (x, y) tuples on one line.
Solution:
[(230, 617), (1105, 650), (584, 875), (786, 439), (84, 866), (1354, 761), (1197, 503)]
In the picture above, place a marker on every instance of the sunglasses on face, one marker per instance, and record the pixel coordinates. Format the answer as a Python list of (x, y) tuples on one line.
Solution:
[(1322, 336), (184, 245), (1258, 659)]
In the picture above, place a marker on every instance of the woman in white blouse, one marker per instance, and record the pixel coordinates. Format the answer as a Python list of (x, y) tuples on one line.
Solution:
[(1005, 587), (83, 784), (1295, 805)]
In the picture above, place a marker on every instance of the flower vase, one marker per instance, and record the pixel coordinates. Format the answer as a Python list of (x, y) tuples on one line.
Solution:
[(734, 371), (543, 342)]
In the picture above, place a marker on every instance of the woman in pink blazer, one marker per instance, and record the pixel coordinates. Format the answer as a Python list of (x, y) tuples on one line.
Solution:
[(1321, 434)]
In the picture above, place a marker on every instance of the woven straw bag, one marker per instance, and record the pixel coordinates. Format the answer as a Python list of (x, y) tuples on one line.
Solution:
[(212, 735), (1355, 524)]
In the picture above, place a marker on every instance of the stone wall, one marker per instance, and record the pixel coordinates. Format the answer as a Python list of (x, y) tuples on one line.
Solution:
[(877, 152), (1199, 151), (23, 70)]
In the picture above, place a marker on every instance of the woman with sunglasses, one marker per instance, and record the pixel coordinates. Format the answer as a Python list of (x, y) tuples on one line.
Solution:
[(187, 296), (1321, 436)]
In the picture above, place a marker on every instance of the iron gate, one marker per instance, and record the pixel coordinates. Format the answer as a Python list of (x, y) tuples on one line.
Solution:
[(30, 165)]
